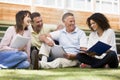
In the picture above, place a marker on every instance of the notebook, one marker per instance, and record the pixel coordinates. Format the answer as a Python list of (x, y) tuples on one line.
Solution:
[(57, 51), (19, 41), (99, 48)]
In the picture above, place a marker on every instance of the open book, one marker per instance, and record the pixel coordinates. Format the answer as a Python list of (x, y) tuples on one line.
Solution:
[(57, 51), (99, 48), (19, 41)]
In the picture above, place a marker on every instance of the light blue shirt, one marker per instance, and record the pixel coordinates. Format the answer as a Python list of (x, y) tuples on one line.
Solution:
[(71, 42)]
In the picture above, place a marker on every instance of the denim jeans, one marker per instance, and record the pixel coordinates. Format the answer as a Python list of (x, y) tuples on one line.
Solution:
[(13, 59)]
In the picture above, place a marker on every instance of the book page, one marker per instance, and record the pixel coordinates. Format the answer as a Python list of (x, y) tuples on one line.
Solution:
[(19, 41)]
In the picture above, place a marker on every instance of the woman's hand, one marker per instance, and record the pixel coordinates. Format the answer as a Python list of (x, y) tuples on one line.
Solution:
[(22, 49)]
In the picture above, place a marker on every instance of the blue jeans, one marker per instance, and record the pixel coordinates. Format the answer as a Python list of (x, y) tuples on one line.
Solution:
[(13, 59)]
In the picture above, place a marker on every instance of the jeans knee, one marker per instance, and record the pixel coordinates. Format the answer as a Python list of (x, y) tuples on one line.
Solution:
[(23, 65), (23, 55), (26, 64)]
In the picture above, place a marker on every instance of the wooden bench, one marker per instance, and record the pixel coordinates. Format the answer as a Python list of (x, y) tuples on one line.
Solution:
[(3, 28), (118, 42)]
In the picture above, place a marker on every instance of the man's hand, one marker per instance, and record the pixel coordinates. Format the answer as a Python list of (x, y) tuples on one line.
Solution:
[(49, 42), (46, 39), (42, 37), (69, 56), (92, 54)]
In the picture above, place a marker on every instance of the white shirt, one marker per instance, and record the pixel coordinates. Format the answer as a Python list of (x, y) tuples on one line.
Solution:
[(107, 37)]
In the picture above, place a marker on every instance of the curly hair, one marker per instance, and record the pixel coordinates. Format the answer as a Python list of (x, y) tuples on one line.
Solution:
[(100, 19)]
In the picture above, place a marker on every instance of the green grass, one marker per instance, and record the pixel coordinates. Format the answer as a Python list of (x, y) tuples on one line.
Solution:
[(60, 74)]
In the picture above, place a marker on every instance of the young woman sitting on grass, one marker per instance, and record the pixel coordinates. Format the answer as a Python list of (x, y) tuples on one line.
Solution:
[(101, 31), (16, 57)]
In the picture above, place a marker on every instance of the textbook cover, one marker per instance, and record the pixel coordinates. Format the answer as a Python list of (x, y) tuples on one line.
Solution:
[(99, 48)]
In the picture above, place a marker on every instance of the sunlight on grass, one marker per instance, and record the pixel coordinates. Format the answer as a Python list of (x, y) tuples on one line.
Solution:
[(61, 74)]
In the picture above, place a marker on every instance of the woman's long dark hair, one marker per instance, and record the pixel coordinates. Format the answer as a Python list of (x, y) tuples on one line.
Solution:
[(19, 20), (100, 19)]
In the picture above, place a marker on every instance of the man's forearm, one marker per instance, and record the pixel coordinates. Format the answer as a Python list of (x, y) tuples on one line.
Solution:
[(72, 57)]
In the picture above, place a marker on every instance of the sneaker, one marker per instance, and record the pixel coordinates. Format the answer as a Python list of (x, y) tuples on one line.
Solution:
[(82, 65), (34, 60)]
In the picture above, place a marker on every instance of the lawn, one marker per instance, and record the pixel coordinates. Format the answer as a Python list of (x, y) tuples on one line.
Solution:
[(61, 74)]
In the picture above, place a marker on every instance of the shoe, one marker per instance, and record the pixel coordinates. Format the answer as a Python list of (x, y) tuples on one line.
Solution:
[(82, 65), (34, 60), (106, 66)]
